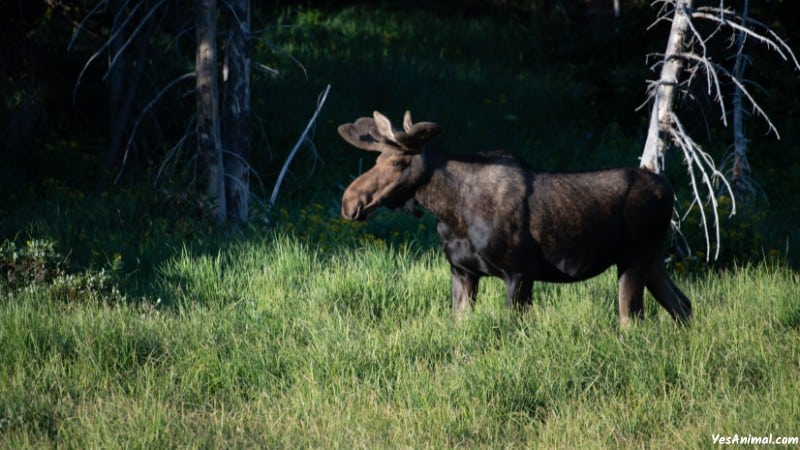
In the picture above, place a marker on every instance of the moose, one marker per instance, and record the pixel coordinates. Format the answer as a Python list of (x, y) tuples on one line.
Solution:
[(497, 217)]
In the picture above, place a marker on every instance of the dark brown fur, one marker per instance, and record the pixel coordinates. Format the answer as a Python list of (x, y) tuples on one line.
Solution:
[(499, 218)]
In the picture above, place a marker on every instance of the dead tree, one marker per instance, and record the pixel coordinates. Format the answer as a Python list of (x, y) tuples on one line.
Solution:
[(735, 163), (127, 60), (685, 57), (663, 92), (221, 123), (128, 49), (739, 174), (209, 141), (236, 110)]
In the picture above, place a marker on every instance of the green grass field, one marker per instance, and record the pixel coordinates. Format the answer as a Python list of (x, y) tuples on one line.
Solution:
[(271, 343)]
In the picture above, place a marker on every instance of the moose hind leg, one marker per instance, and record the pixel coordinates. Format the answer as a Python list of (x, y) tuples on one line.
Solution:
[(631, 294), (465, 289), (667, 294), (518, 292)]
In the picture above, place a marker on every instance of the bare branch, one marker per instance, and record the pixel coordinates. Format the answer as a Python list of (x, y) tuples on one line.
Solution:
[(239, 182), (701, 162), (302, 138), (80, 25), (714, 67), (711, 78), (120, 11), (288, 55), (187, 26), (143, 113), (130, 38), (250, 168), (173, 152), (664, 13), (773, 42), (266, 69), (100, 50)]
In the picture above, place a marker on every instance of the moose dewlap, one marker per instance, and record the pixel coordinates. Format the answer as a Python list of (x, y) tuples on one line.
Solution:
[(497, 217)]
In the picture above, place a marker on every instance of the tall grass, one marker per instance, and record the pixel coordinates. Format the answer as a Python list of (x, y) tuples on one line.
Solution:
[(273, 343)]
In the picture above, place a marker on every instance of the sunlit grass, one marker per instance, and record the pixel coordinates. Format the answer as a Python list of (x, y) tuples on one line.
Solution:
[(274, 343)]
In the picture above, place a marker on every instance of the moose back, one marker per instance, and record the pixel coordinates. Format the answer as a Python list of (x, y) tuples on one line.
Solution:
[(497, 217)]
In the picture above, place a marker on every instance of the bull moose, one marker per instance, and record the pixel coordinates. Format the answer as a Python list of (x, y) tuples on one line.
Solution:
[(497, 217)]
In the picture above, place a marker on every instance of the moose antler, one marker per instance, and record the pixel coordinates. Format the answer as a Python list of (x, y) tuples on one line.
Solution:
[(385, 127), (376, 133), (416, 134), (407, 123)]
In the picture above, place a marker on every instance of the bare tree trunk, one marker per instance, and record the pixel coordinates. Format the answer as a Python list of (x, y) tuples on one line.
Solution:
[(116, 91), (123, 85), (209, 145), (665, 90), (236, 111), (740, 171)]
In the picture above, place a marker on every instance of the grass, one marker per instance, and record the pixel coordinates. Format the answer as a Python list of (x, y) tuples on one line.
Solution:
[(273, 343)]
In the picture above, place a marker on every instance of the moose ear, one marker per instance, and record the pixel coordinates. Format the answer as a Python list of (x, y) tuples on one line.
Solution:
[(363, 134), (358, 135)]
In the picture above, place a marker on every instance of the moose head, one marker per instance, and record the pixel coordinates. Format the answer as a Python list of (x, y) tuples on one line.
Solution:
[(399, 168)]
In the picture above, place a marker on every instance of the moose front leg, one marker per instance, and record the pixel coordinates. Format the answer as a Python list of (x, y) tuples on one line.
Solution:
[(465, 289), (518, 292)]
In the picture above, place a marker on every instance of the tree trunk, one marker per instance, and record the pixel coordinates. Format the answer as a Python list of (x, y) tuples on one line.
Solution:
[(209, 145), (664, 92), (236, 111), (741, 168), (123, 86), (116, 92)]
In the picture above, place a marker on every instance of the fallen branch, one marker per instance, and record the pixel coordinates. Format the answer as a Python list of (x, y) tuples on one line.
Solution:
[(300, 141)]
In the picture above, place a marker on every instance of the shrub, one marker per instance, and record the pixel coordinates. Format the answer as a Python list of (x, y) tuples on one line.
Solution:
[(35, 263), (38, 266)]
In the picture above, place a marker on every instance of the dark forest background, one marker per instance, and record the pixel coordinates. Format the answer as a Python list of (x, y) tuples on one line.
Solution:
[(558, 82)]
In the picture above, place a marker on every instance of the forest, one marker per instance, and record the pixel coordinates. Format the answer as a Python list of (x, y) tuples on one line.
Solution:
[(175, 270), (562, 84)]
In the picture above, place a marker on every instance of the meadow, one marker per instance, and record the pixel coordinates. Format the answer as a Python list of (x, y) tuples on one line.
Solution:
[(127, 321), (272, 343)]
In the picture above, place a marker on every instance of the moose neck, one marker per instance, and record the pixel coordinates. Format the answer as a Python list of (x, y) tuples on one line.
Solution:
[(441, 192)]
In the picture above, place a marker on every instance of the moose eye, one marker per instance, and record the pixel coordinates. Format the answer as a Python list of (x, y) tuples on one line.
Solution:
[(399, 164)]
